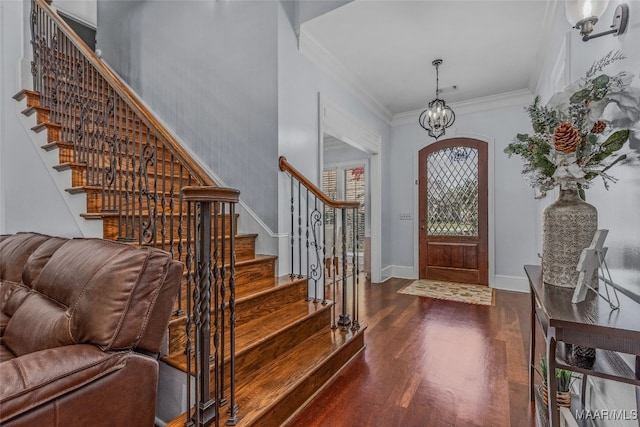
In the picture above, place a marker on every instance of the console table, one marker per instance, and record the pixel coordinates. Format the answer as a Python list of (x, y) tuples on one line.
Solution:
[(590, 323)]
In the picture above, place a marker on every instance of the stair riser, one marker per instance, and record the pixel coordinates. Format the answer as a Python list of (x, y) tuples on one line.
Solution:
[(67, 153), (177, 337), (249, 362), (258, 277), (53, 131), (255, 308), (98, 120), (96, 200), (129, 226), (42, 114), (291, 402)]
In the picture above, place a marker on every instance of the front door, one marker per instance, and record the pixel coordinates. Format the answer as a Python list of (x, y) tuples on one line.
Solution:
[(453, 216)]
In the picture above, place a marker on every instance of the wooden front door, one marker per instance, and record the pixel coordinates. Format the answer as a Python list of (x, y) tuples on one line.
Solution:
[(453, 215)]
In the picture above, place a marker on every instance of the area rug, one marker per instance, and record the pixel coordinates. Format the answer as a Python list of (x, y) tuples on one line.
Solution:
[(461, 292)]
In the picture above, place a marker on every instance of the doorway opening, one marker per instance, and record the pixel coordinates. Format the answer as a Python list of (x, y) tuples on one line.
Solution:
[(354, 143), (347, 180)]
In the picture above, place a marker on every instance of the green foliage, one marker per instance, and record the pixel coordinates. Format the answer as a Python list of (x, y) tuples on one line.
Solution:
[(563, 376), (576, 106)]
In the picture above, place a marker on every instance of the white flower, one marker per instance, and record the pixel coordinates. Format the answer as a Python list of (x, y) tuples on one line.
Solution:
[(568, 173)]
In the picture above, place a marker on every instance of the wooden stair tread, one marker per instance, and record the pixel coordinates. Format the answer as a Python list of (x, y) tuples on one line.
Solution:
[(277, 284), (255, 332), (259, 393)]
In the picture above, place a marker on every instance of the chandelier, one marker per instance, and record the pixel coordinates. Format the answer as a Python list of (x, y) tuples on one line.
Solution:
[(438, 116)]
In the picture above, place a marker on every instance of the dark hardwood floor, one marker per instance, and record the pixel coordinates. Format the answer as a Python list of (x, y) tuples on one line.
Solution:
[(432, 363)]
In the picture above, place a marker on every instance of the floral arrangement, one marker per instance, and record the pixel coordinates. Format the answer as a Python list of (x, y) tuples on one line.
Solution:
[(572, 140)]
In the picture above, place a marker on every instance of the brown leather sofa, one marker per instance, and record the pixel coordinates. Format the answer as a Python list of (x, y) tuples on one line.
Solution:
[(81, 325)]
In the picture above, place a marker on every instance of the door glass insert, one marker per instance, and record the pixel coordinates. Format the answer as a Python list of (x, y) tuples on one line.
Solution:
[(452, 192)]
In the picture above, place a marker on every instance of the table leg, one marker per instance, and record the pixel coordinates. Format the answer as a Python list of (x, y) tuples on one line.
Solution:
[(638, 387), (554, 415), (532, 347)]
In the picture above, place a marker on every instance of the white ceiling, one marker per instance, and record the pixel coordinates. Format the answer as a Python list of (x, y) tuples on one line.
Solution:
[(387, 46)]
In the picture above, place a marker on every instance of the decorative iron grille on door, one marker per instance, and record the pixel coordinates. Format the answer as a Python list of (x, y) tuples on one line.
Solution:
[(452, 193)]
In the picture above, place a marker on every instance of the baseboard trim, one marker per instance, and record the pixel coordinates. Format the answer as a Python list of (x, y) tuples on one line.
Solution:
[(510, 283)]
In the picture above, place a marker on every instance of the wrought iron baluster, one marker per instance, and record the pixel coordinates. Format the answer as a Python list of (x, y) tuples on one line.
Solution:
[(299, 230), (163, 199), (181, 243), (315, 269)]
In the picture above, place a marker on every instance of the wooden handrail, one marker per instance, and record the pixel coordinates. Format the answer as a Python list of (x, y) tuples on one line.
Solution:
[(134, 102), (210, 194), (285, 166)]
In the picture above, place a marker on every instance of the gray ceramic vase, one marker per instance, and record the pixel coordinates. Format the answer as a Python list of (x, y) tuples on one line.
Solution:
[(569, 224)]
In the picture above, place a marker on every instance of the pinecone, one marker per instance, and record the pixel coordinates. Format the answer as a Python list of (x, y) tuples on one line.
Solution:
[(566, 138), (598, 127)]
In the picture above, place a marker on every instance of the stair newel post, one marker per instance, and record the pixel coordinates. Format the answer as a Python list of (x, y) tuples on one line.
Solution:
[(355, 265), (233, 407), (332, 268), (206, 405), (206, 409), (219, 238), (218, 317), (189, 323), (308, 258), (292, 229), (324, 252), (344, 321)]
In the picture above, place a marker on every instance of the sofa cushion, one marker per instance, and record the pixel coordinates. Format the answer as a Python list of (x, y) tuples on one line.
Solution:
[(90, 291), (14, 252)]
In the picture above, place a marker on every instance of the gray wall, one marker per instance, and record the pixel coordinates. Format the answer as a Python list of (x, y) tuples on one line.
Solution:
[(209, 70), (29, 199), (618, 207)]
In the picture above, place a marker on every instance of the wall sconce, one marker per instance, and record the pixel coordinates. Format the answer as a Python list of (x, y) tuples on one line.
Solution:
[(583, 15)]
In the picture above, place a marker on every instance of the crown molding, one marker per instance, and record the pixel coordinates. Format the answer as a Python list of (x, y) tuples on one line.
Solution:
[(502, 100), (314, 51)]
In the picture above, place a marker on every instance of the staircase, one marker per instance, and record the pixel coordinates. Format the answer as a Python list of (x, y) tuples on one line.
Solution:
[(131, 172)]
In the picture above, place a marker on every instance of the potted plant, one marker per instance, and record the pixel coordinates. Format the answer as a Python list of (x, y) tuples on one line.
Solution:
[(563, 385)]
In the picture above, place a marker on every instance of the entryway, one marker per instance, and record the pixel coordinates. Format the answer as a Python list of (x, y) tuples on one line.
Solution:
[(453, 211), (346, 180)]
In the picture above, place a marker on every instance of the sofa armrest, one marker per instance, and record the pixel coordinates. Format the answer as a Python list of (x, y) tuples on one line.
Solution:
[(36, 378)]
